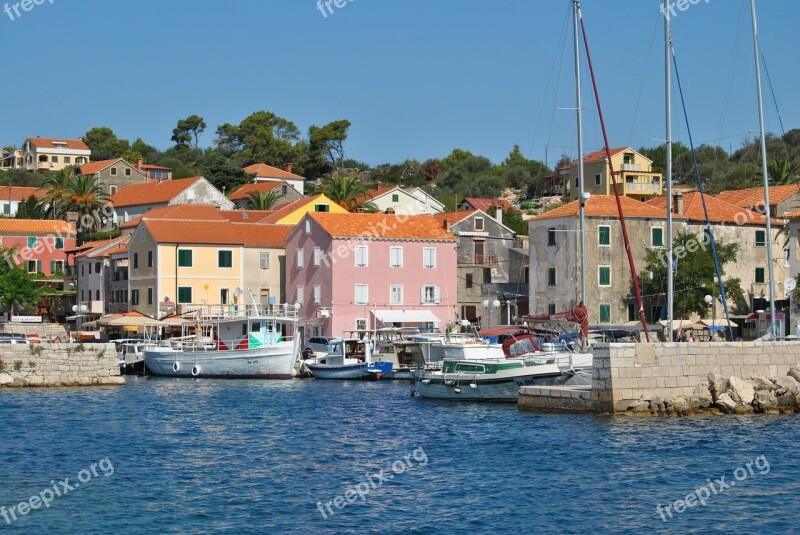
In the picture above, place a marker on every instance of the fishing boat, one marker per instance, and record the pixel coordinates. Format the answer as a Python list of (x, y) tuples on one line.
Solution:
[(225, 341), (130, 354), (348, 359)]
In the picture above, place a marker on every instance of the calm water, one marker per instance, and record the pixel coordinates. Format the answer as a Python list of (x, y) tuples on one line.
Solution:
[(258, 456)]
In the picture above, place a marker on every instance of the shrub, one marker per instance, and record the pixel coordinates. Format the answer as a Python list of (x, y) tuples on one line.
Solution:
[(17, 365)]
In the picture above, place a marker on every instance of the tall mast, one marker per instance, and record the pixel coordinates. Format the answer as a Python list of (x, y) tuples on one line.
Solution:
[(668, 167), (576, 5), (767, 214)]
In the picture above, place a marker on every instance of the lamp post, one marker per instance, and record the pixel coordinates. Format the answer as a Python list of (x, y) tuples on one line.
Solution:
[(488, 307), (709, 299)]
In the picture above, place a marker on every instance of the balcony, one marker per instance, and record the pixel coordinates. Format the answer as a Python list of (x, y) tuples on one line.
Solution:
[(486, 259), (631, 167), (650, 188)]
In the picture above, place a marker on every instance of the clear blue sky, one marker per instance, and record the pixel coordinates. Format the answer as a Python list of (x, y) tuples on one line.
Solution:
[(415, 77)]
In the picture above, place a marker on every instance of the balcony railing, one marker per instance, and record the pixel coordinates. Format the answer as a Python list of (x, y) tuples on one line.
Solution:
[(202, 310), (631, 167), (486, 259), (652, 188)]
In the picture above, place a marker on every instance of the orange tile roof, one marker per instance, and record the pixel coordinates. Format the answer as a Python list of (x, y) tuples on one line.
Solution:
[(263, 170), (243, 192), (600, 155), (19, 193), (155, 167), (792, 215), (35, 226), (719, 211), (282, 210), (605, 206), (382, 226), (192, 232), (753, 197), (118, 244), (195, 212), (152, 192), (453, 217), (50, 143), (485, 204), (245, 216), (96, 167), (255, 235)]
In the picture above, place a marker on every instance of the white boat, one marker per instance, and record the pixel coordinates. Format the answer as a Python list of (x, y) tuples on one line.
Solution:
[(238, 342), (348, 359)]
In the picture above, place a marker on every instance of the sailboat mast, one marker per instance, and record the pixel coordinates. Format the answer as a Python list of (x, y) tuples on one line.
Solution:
[(767, 214), (576, 5), (668, 166)]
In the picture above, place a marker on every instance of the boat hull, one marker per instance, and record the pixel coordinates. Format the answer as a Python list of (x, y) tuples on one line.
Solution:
[(275, 361), (502, 386), (375, 370)]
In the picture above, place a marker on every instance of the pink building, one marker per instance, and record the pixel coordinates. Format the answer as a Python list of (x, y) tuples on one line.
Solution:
[(361, 271), (39, 245)]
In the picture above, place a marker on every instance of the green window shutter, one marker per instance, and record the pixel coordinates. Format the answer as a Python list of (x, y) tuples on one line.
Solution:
[(761, 238), (760, 275), (605, 276), (658, 237), (605, 313), (38, 266), (184, 258), (52, 266), (31, 242), (605, 236), (225, 259)]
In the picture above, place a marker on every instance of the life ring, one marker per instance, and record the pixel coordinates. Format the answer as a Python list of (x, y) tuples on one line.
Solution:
[(176, 367), (195, 370)]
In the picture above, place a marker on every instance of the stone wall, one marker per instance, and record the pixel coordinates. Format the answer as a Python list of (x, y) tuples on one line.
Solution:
[(59, 365), (624, 372), (44, 330)]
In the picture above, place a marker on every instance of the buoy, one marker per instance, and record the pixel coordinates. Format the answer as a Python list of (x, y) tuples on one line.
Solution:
[(176, 367), (195, 370)]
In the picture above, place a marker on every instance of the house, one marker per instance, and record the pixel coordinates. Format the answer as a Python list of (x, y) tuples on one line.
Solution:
[(112, 175), (285, 191), (10, 159), (99, 280), (474, 203), (53, 154), (782, 199), (154, 172), (291, 213), (12, 196), (395, 199), (138, 199), (485, 251), (556, 184), (177, 211), (635, 176), (267, 173), (363, 271), (172, 265), (555, 260), (427, 200), (39, 245)]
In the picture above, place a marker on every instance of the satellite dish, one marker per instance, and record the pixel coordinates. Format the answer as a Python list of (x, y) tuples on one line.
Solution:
[(237, 292), (790, 284)]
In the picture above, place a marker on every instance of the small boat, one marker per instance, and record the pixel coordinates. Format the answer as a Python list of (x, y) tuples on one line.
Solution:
[(348, 359), (130, 354), (229, 341)]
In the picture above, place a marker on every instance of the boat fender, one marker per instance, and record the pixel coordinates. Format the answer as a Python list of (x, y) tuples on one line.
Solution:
[(195, 370), (176, 367)]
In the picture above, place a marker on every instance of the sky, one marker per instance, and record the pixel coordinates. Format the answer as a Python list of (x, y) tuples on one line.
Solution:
[(417, 78)]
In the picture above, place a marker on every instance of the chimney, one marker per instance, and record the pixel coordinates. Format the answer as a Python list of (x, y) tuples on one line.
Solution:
[(677, 203), (139, 164), (447, 224), (288, 168), (498, 214)]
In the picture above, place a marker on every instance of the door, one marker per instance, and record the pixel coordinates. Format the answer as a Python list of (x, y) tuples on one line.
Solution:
[(224, 296), (478, 252)]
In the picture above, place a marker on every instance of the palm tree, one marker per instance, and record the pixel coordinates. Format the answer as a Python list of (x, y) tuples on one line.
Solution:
[(780, 171), (55, 196), (86, 198), (349, 193), (261, 200)]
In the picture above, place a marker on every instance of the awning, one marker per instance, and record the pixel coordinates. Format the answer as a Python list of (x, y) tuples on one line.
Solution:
[(719, 322), (405, 316)]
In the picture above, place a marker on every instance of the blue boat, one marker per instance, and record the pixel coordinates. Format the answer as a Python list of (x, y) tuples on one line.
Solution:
[(348, 359)]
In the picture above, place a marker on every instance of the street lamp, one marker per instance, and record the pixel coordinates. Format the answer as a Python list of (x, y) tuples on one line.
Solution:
[(710, 303), (493, 304)]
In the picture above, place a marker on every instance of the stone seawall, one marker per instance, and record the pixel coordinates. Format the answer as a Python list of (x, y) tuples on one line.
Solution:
[(24, 365)]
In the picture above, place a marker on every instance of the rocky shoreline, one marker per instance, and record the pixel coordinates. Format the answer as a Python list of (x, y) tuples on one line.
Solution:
[(728, 395)]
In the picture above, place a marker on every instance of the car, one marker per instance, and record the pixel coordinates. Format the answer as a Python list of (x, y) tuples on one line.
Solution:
[(4, 339), (318, 344)]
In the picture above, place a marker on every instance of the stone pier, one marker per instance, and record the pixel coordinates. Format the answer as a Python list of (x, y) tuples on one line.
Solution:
[(23, 365)]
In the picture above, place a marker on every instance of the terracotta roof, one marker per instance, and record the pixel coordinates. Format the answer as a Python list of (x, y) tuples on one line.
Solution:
[(485, 204), (600, 155), (385, 226), (152, 192), (719, 211), (753, 197), (19, 193), (35, 226), (154, 167), (282, 210), (51, 143), (453, 217), (245, 216), (267, 171), (104, 248), (194, 212), (183, 231), (605, 206), (96, 167), (792, 215), (254, 235), (243, 192)]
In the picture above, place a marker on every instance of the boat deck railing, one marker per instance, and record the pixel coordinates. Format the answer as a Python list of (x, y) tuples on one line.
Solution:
[(242, 310)]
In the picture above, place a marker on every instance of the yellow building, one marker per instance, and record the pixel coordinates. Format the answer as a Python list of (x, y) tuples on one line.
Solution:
[(52, 154), (634, 173), (291, 213)]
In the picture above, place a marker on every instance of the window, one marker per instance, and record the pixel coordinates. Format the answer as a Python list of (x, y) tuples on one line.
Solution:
[(128, 171), (82, 270), (603, 235), (487, 275), (761, 238), (657, 236), (632, 316), (67, 159), (576, 182), (604, 275), (59, 243), (395, 197), (149, 259), (57, 266), (322, 208), (551, 236), (31, 242), (113, 171), (396, 256), (361, 324), (83, 296), (32, 266), (184, 294), (317, 294), (468, 278), (225, 258), (786, 257), (605, 313), (97, 267), (134, 297), (112, 189), (478, 223), (301, 293), (362, 294), (760, 275), (135, 262), (184, 258), (597, 179), (429, 257), (317, 256), (308, 226), (300, 260), (224, 296), (149, 296), (264, 260), (551, 276), (284, 189), (362, 254), (430, 295), (551, 309), (396, 294), (54, 159)]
